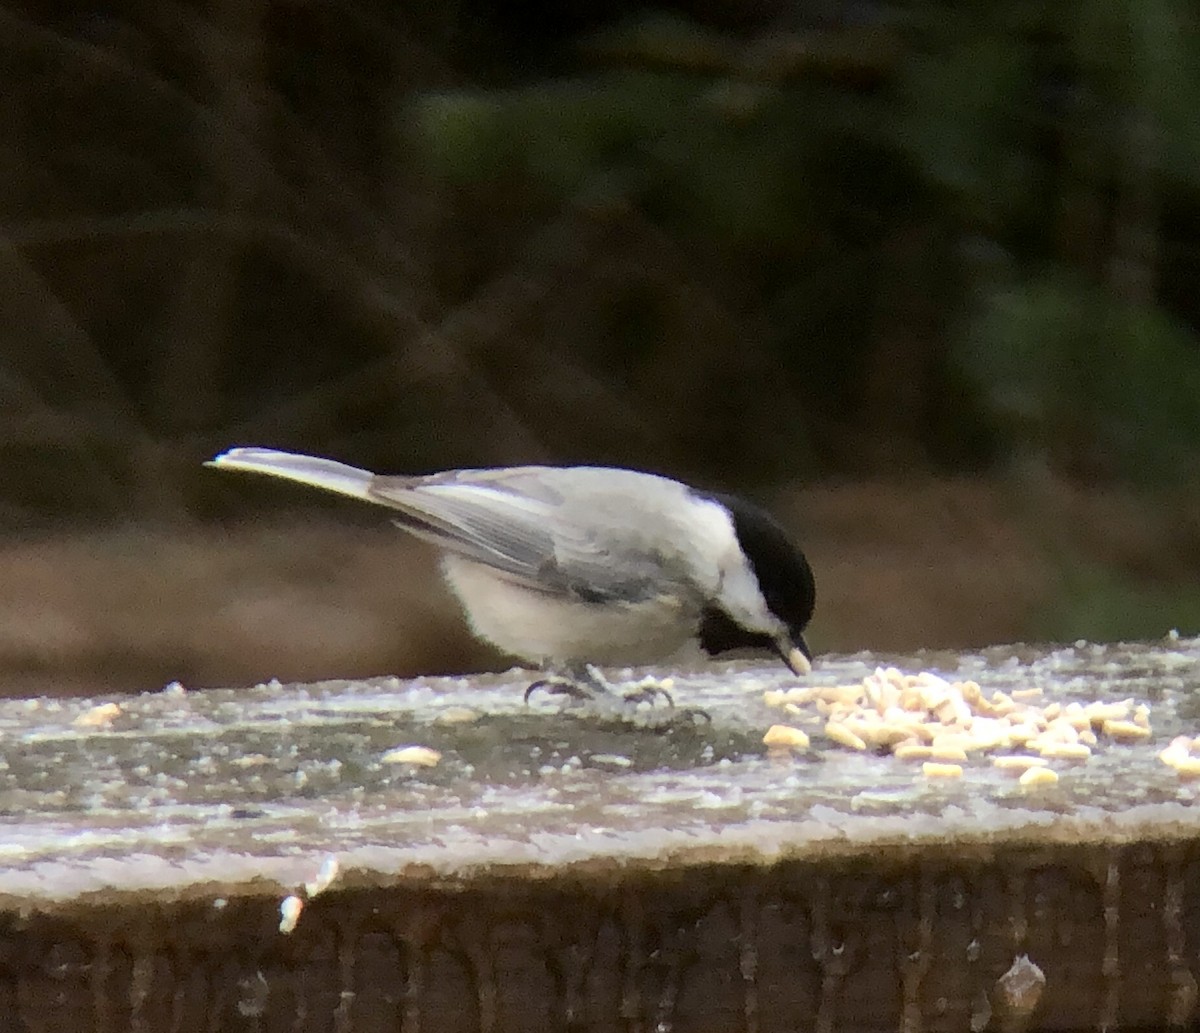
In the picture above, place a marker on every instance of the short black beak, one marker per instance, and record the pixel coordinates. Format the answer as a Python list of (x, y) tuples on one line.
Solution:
[(795, 653)]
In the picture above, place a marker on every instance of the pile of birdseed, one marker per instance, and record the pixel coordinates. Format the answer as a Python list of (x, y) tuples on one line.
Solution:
[(925, 717)]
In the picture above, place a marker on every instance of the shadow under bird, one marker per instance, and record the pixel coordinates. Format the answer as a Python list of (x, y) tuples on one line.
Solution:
[(567, 567)]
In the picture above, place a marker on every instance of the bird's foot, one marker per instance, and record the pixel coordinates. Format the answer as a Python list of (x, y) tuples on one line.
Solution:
[(557, 685), (581, 684), (588, 691), (649, 690)]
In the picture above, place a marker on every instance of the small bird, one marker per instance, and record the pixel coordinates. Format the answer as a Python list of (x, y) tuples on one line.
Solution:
[(574, 566)]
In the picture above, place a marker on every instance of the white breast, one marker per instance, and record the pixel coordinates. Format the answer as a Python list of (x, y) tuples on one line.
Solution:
[(550, 630)]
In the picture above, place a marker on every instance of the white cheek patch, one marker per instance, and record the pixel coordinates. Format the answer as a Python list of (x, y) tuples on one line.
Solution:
[(734, 585)]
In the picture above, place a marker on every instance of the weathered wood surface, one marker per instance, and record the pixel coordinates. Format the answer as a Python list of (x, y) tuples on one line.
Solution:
[(550, 874)]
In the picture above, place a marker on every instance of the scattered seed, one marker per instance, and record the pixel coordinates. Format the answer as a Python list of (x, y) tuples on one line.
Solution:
[(843, 736), (325, 876), (786, 735), (912, 751), (1177, 751), (1178, 755), (926, 717), (1126, 731), (457, 716), (1023, 734), (419, 756), (98, 716), (1038, 777), (1100, 712), (1188, 767), (948, 754), (848, 694), (616, 761), (290, 909)]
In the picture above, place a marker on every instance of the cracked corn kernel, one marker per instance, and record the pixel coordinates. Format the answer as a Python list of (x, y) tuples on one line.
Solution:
[(786, 735), (1125, 731), (1187, 767), (98, 716), (1178, 755), (1099, 712), (843, 736), (1038, 777), (420, 756)]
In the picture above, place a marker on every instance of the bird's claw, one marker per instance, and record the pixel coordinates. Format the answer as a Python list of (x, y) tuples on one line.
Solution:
[(558, 686), (648, 693), (697, 714)]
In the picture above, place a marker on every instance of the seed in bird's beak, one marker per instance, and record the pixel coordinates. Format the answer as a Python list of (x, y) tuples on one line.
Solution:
[(794, 657)]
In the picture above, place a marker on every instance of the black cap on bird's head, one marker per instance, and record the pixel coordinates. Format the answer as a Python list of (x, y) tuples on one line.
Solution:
[(785, 580)]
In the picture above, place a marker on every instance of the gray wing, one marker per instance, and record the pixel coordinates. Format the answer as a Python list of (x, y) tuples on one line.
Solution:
[(560, 530), (579, 531)]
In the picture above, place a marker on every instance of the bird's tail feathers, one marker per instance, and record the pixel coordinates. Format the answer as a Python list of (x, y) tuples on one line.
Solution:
[(291, 466)]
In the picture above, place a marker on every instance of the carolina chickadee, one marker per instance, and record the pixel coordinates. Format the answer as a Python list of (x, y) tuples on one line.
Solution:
[(569, 566)]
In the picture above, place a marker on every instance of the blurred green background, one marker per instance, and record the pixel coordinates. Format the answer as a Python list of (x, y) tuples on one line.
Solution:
[(920, 275)]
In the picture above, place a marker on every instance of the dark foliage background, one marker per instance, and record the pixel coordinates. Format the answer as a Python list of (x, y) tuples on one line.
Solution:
[(758, 244)]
